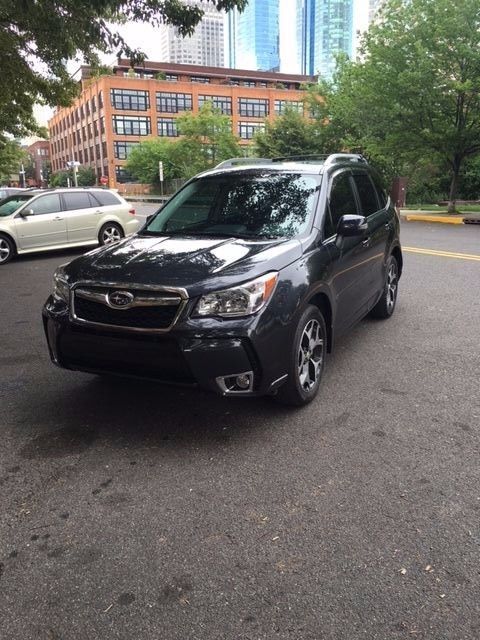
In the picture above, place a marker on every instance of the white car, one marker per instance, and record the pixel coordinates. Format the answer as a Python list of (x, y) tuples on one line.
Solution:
[(39, 220)]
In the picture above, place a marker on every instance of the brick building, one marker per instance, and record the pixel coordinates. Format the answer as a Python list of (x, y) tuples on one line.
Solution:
[(39, 153), (115, 112)]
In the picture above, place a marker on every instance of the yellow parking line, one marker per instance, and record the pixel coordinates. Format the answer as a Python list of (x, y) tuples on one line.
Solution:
[(443, 254)]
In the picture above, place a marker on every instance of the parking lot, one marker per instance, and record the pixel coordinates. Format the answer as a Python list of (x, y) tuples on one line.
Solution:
[(136, 511)]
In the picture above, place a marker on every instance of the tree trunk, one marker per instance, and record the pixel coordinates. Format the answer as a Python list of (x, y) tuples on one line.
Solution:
[(456, 165)]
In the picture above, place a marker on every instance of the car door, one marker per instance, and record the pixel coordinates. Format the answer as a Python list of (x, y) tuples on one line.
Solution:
[(45, 225), (81, 213), (378, 230), (349, 271)]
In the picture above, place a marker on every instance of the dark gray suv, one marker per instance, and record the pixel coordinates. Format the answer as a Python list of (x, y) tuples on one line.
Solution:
[(240, 283)]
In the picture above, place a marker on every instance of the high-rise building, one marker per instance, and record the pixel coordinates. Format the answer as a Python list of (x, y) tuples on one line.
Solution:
[(324, 29), (253, 36), (206, 45)]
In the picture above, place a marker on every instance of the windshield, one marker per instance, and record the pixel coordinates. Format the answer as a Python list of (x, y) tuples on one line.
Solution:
[(246, 205), (11, 204)]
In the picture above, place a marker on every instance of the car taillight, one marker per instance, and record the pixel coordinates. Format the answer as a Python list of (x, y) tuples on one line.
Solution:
[(132, 212)]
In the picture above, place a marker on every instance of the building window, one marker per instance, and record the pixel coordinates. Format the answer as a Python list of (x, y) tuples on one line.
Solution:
[(173, 102), (94, 105), (248, 83), (171, 77), (200, 79), (219, 102), (246, 130), (253, 107), (130, 100), (122, 175), (104, 149), (167, 127), (122, 149), (132, 125), (100, 100), (262, 84), (102, 124), (281, 105)]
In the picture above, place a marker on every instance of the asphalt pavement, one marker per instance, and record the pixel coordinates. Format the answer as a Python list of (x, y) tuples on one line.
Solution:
[(134, 511)]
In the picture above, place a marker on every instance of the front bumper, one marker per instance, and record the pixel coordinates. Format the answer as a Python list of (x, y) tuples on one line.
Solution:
[(190, 354)]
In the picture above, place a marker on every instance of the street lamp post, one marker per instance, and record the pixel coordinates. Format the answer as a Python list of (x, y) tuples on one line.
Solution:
[(74, 164)]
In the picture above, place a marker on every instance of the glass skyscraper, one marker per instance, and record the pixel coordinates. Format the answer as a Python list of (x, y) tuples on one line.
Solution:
[(253, 36), (324, 28)]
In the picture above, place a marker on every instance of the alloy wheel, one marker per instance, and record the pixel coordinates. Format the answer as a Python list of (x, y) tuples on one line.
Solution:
[(111, 235), (392, 284), (310, 355), (5, 250)]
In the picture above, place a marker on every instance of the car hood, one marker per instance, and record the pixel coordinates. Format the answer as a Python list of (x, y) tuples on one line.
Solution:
[(194, 263)]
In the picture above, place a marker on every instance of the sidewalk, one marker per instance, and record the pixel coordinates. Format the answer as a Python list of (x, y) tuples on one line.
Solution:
[(442, 218)]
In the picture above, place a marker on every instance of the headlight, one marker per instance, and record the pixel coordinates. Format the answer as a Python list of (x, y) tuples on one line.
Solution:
[(61, 290), (243, 300)]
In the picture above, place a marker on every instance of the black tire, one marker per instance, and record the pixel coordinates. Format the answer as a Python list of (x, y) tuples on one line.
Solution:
[(7, 249), (386, 305), (297, 391), (110, 233)]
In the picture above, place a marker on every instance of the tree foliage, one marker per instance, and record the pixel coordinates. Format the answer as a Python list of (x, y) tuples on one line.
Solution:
[(37, 39), (416, 93), (11, 158), (206, 140)]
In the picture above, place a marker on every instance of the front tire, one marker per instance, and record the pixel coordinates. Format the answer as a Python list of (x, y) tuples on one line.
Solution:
[(386, 305), (110, 233), (307, 360), (7, 249)]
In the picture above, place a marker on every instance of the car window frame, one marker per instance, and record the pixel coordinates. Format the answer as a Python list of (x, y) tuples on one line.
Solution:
[(331, 179), (38, 197), (364, 172), (64, 201)]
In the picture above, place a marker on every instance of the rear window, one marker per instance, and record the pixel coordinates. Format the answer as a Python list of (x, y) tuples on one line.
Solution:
[(11, 204), (106, 198)]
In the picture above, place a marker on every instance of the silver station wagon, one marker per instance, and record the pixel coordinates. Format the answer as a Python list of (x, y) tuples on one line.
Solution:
[(40, 220)]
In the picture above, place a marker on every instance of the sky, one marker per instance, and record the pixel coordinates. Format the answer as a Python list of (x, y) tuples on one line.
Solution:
[(145, 37)]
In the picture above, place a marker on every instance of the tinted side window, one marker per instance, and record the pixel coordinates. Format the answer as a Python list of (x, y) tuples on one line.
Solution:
[(76, 200), (367, 193), (382, 196), (341, 202), (46, 204), (106, 198)]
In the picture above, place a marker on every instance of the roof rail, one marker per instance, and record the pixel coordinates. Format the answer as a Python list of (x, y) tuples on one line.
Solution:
[(234, 162), (333, 158), (313, 158)]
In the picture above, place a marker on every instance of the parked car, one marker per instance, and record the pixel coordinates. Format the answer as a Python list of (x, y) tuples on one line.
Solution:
[(241, 283), (9, 191), (43, 219)]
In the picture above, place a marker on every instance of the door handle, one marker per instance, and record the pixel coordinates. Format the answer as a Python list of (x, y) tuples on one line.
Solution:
[(98, 212), (387, 225), (58, 218), (366, 242)]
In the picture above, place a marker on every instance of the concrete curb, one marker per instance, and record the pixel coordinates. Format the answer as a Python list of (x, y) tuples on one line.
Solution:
[(425, 217)]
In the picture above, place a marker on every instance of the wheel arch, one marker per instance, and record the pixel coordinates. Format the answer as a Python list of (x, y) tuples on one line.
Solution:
[(322, 302), (397, 254), (11, 238)]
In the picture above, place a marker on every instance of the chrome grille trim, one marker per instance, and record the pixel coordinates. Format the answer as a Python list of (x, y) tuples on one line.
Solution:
[(177, 295)]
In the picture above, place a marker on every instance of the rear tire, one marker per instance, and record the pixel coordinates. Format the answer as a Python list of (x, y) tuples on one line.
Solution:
[(307, 360), (7, 249), (110, 233), (386, 305)]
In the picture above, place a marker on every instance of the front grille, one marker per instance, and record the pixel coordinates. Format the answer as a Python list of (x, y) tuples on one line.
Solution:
[(149, 316)]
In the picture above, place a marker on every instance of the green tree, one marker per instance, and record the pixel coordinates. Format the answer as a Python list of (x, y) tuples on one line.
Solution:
[(60, 179), (207, 140), (37, 39), (12, 156), (143, 159), (86, 177), (416, 91)]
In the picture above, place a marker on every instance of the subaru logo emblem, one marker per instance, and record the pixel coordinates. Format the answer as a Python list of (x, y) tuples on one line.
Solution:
[(120, 299)]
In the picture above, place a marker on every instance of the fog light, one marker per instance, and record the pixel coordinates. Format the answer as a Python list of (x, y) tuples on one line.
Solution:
[(236, 383), (243, 381)]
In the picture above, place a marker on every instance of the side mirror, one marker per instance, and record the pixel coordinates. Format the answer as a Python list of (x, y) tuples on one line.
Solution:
[(352, 225), (26, 213), (150, 217)]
